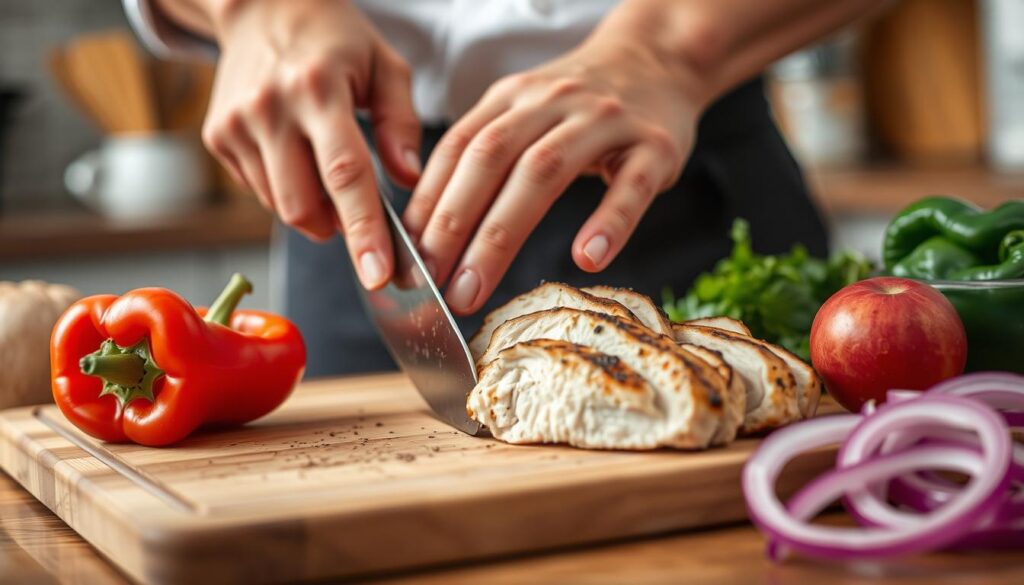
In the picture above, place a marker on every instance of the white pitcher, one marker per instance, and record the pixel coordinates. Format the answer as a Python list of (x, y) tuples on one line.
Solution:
[(141, 177)]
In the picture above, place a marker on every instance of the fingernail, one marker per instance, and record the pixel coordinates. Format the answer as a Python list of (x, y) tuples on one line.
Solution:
[(371, 269), (596, 249), (412, 160), (464, 289)]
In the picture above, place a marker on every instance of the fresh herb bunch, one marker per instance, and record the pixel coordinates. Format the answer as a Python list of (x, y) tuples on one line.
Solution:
[(776, 296)]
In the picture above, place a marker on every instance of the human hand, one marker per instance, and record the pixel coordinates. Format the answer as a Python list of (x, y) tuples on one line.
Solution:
[(281, 119), (611, 107)]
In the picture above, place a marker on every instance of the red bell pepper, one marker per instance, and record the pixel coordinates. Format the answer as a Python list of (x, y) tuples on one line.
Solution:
[(148, 367)]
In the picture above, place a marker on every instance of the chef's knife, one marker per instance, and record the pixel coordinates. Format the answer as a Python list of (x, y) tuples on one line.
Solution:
[(417, 327)]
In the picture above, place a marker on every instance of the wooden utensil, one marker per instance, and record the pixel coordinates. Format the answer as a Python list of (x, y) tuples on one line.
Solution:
[(352, 476), (182, 93), (922, 80), (57, 64), (112, 76)]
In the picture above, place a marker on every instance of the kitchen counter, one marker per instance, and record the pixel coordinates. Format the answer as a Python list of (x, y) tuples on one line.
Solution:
[(880, 189), (28, 236), (37, 547), (885, 188)]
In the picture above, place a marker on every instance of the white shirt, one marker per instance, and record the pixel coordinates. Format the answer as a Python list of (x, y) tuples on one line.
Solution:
[(456, 48)]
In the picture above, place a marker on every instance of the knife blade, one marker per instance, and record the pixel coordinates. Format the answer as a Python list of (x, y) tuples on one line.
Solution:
[(418, 329)]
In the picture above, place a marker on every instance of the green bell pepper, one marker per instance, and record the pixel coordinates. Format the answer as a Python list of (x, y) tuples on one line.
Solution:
[(940, 238)]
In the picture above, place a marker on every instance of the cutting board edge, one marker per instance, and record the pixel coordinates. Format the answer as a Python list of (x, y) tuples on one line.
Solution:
[(35, 467)]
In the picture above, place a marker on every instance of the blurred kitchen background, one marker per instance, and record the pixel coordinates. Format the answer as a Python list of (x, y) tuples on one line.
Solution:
[(928, 98)]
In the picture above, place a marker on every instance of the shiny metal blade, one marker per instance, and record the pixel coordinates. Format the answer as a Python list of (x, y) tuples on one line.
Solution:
[(418, 329)]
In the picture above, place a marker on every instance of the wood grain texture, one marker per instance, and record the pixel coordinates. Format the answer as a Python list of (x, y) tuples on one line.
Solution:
[(353, 477), (109, 71), (922, 79)]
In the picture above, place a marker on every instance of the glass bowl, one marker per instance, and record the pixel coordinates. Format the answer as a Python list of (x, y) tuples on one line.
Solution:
[(993, 315)]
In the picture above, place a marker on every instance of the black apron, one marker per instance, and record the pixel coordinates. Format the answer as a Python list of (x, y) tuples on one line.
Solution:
[(740, 167)]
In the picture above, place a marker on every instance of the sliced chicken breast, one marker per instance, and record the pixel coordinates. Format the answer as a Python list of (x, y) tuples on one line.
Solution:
[(808, 384), (724, 323), (640, 305), (690, 392), (546, 391), (549, 295), (734, 403), (769, 383)]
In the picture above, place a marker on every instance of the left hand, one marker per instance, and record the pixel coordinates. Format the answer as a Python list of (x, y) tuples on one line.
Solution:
[(611, 107)]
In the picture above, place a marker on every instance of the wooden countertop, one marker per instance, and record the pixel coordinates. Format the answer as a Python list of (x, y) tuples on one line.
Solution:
[(29, 236), (37, 547)]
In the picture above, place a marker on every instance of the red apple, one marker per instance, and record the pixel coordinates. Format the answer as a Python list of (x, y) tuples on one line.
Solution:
[(884, 333)]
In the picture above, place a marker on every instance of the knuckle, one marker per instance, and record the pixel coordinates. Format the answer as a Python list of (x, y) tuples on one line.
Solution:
[(512, 83), (497, 236), (662, 141), (562, 88), (491, 147), (360, 225), (544, 163), (311, 79), (449, 224), (401, 67), (455, 142), (260, 106), (232, 124), (421, 205), (622, 217), (343, 171), (218, 131), (212, 139), (609, 107), (642, 184), (297, 214)]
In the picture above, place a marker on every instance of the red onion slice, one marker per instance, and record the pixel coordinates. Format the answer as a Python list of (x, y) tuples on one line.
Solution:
[(982, 495), (978, 500), (1000, 390), (826, 488)]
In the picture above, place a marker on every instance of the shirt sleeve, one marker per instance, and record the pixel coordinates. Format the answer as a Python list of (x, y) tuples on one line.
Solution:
[(162, 37)]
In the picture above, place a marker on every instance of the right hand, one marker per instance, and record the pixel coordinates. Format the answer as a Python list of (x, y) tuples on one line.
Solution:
[(282, 119)]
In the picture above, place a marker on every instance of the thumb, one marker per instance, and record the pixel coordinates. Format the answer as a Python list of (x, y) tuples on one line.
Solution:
[(396, 129)]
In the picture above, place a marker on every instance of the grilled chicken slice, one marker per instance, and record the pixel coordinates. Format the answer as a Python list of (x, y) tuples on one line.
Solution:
[(546, 391), (549, 295), (808, 384), (690, 392), (769, 383), (734, 403), (724, 323), (640, 305)]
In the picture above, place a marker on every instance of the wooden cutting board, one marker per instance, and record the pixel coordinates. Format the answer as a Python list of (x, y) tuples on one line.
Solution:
[(350, 477)]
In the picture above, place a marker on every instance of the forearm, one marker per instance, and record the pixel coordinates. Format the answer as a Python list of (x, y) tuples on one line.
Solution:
[(715, 45), (197, 16)]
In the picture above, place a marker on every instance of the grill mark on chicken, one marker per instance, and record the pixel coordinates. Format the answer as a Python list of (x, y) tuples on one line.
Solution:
[(546, 296), (611, 365), (677, 371), (769, 382), (646, 310), (711, 397), (593, 402)]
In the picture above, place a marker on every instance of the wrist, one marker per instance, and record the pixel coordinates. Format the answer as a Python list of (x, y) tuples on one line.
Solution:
[(679, 35)]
